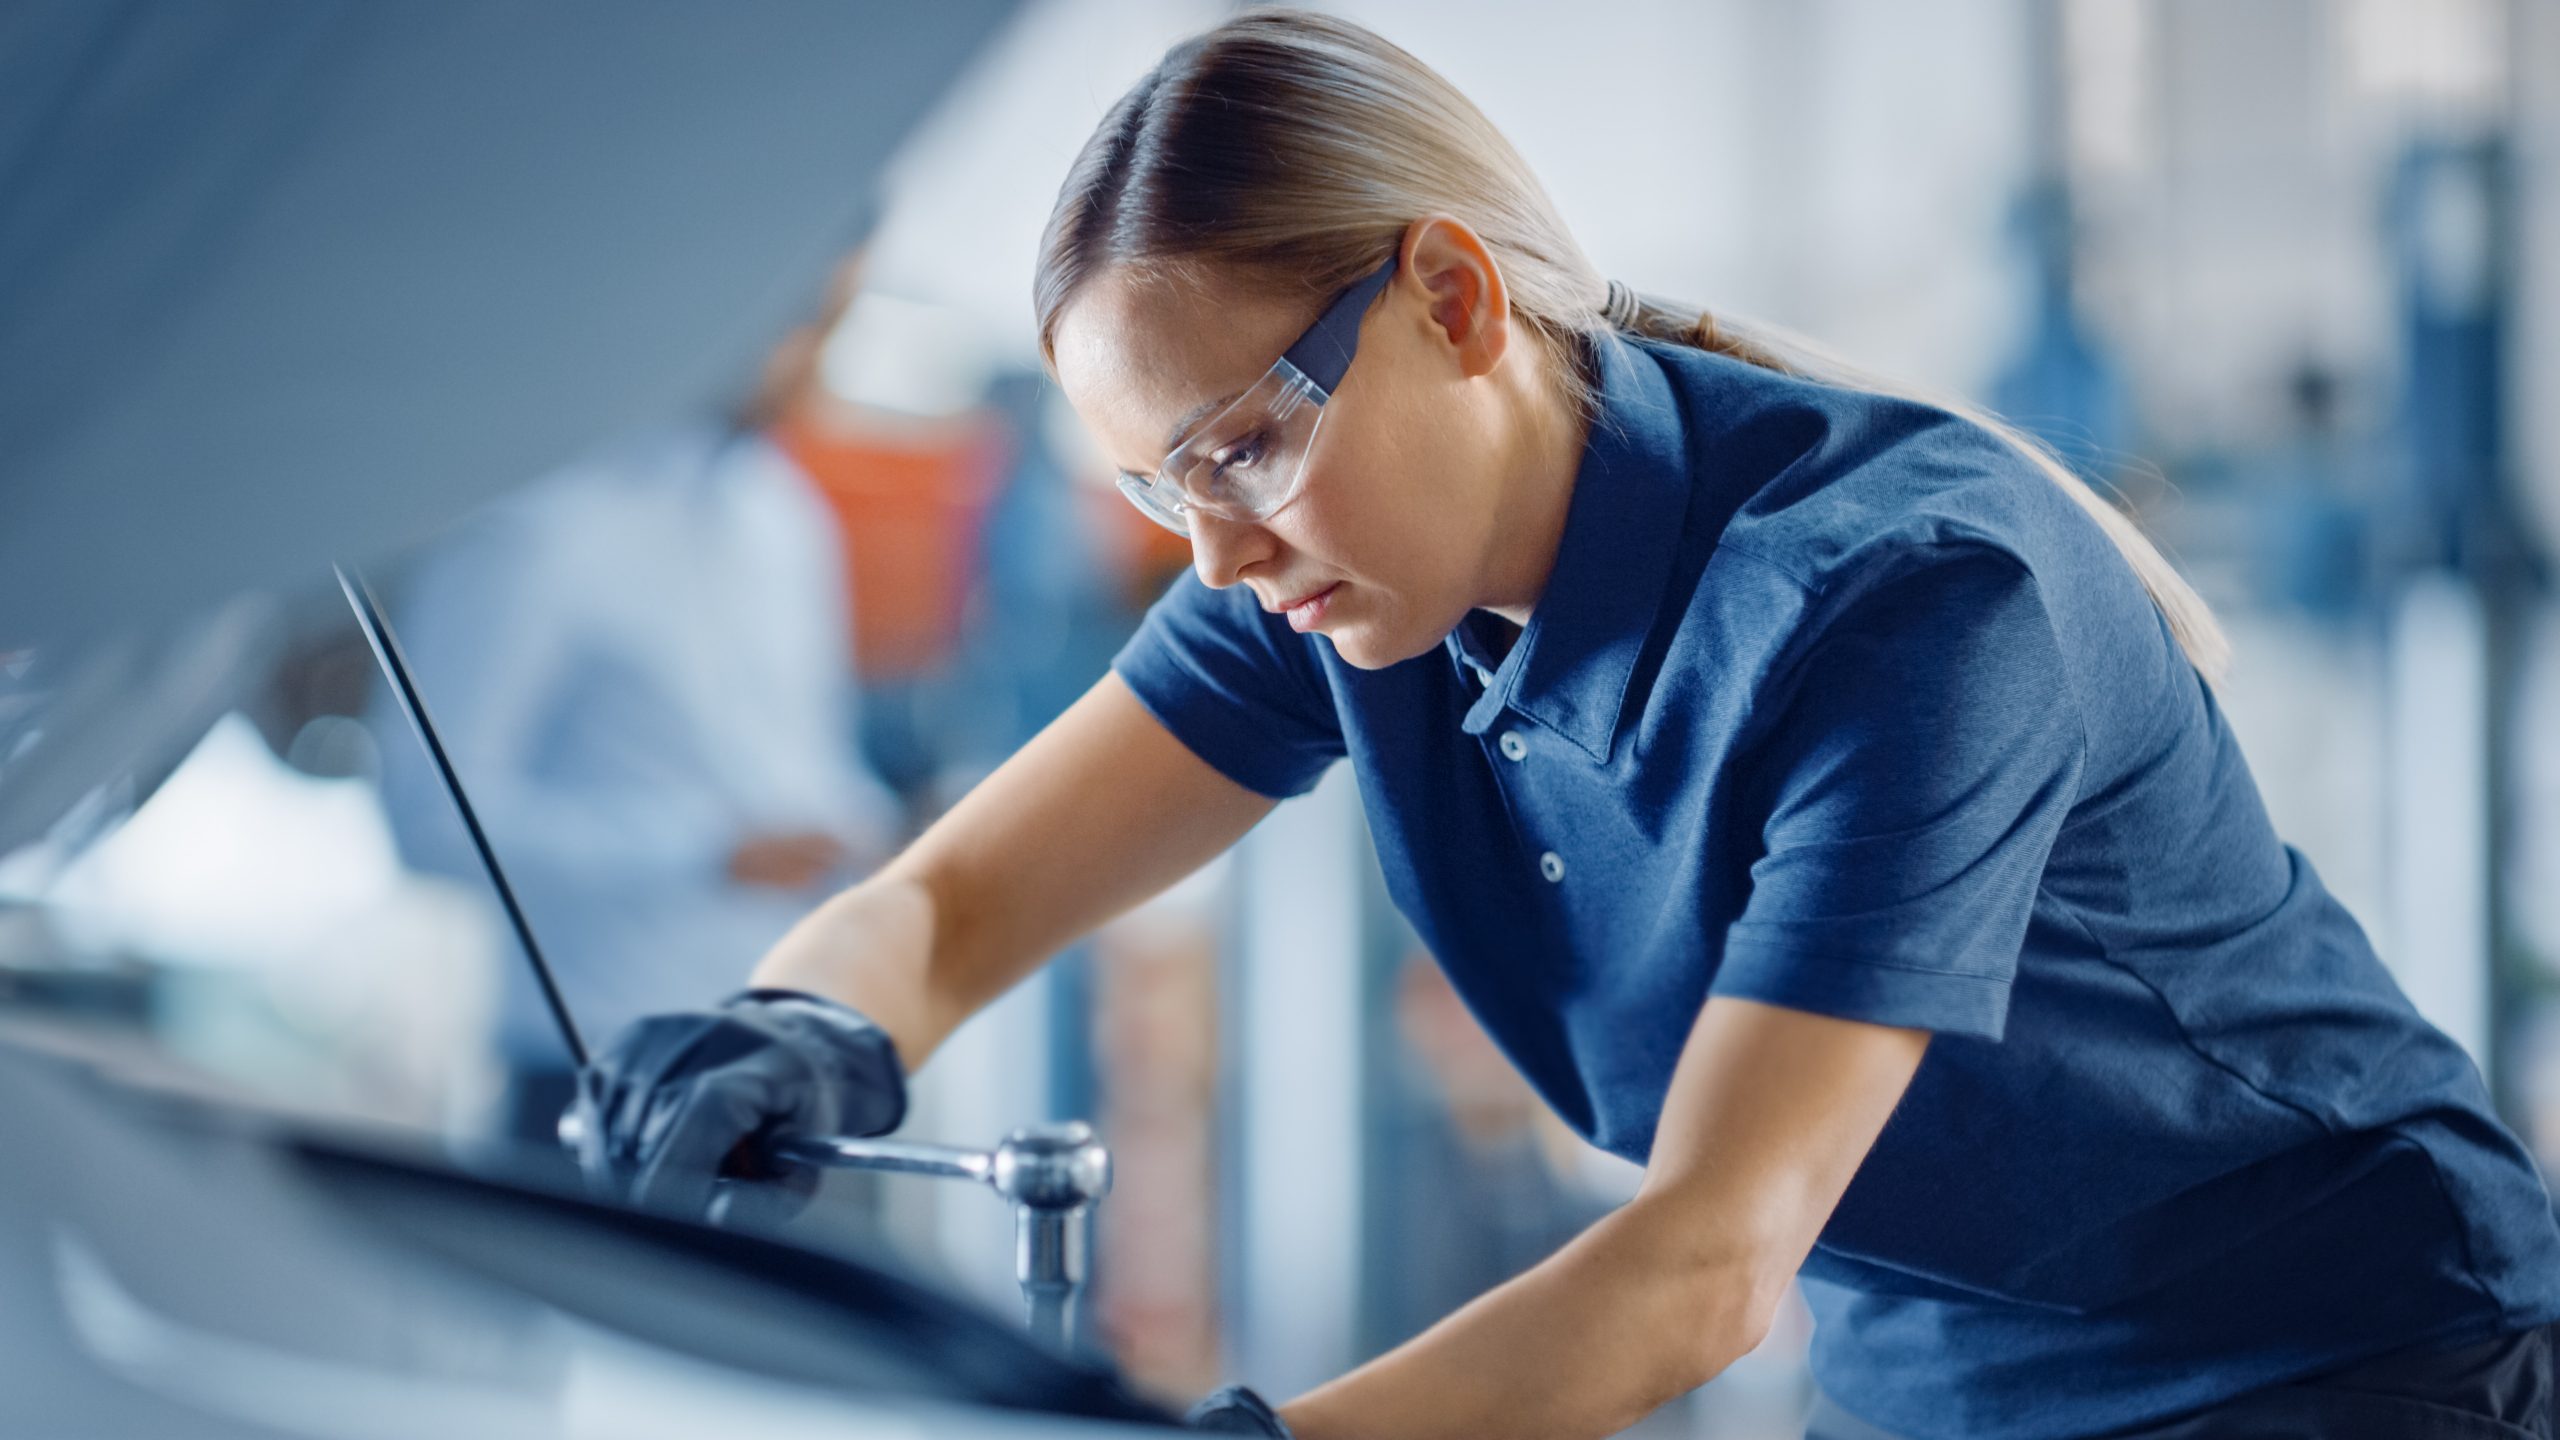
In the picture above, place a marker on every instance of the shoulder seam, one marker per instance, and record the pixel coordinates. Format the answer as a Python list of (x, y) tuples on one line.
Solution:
[(2079, 700), (1801, 583), (1966, 544)]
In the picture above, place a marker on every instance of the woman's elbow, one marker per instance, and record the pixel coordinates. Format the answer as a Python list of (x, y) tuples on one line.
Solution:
[(1727, 1308), (1700, 1288), (1731, 1323)]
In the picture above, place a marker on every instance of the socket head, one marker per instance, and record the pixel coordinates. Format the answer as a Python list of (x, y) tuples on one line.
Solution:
[(1052, 1167)]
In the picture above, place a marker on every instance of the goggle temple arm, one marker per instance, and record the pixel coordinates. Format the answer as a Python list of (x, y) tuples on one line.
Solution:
[(1324, 353)]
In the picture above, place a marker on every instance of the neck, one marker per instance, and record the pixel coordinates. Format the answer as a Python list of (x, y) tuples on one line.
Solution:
[(1537, 492)]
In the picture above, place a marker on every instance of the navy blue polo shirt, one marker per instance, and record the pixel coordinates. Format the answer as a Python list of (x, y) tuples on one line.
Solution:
[(1834, 702)]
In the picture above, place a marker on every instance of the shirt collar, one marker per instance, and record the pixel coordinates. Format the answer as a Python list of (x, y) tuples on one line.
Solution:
[(1570, 668)]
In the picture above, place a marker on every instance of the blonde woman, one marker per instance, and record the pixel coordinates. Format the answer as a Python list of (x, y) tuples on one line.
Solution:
[(1817, 793)]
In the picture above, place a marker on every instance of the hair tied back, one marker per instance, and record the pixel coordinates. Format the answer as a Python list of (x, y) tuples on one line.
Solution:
[(1624, 308)]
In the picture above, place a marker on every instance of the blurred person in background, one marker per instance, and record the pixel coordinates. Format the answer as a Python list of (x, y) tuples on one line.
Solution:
[(1817, 793), (641, 667)]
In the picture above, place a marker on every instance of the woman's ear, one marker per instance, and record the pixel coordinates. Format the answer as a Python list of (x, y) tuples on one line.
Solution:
[(1461, 286)]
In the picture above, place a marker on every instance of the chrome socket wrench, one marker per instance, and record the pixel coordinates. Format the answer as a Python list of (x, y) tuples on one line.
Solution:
[(1052, 1176)]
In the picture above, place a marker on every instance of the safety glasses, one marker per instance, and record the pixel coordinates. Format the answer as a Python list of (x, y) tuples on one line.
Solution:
[(1245, 462)]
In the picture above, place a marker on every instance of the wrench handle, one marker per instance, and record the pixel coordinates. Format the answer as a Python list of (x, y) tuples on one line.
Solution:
[(900, 1157)]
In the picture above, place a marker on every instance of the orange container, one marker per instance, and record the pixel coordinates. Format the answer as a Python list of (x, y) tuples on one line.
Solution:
[(909, 501)]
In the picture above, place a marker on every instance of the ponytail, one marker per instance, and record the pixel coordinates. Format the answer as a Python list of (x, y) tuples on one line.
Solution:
[(2191, 621)]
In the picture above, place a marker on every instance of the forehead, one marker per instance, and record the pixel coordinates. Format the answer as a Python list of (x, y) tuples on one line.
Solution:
[(1136, 357)]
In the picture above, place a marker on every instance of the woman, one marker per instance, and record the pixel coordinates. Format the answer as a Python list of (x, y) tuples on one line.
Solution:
[(1816, 792)]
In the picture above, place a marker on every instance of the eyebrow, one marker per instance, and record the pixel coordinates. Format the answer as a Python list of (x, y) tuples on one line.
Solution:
[(1197, 413), (1182, 427)]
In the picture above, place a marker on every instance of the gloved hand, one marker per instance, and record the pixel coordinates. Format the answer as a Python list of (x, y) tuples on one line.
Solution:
[(677, 1102), (1236, 1410)]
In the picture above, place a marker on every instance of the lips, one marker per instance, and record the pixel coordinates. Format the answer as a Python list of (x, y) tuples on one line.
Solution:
[(1286, 606), (1308, 613)]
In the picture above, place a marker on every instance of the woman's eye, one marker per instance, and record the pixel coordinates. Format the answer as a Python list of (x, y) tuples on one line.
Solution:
[(1238, 455)]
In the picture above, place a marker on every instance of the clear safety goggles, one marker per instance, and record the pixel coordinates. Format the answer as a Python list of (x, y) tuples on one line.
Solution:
[(1246, 462)]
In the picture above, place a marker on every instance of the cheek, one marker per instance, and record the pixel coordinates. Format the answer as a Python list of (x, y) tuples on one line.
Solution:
[(1398, 553), (1388, 506), (1357, 514), (1380, 472)]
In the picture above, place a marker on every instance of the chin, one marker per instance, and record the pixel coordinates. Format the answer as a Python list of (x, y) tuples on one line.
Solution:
[(1363, 648)]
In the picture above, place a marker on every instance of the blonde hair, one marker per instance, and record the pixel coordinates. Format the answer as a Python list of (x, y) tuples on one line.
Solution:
[(1295, 148)]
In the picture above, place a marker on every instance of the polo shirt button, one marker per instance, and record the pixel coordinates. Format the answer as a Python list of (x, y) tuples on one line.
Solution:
[(1513, 747), (1551, 865)]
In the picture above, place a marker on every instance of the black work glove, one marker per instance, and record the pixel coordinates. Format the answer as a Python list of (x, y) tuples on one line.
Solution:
[(1236, 1410), (678, 1102)]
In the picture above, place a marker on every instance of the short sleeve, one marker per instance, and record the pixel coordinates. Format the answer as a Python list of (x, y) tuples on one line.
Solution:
[(1926, 749), (1237, 686)]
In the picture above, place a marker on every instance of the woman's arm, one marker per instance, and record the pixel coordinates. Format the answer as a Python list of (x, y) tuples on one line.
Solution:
[(1769, 1114), (1102, 809)]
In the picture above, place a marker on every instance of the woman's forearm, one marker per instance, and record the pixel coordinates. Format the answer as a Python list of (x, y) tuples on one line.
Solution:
[(1640, 1309), (1101, 810), (1769, 1113), (873, 947)]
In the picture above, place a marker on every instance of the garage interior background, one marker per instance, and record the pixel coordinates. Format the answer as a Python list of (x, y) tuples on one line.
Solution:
[(2284, 274)]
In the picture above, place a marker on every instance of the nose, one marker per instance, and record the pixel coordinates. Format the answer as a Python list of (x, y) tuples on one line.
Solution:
[(1222, 549)]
